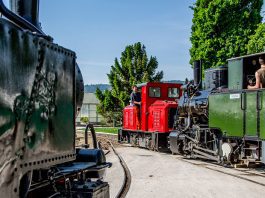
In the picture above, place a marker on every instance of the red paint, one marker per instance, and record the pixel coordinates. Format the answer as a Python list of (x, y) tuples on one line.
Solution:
[(129, 118), (159, 114), (154, 110)]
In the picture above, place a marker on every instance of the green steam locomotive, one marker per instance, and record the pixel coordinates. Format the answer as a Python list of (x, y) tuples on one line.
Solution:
[(224, 122)]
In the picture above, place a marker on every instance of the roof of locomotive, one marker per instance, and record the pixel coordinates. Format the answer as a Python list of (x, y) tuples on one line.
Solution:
[(246, 56), (164, 82)]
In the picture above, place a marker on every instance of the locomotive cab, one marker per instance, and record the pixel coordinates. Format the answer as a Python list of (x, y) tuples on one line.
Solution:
[(158, 107), (241, 71), (151, 94)]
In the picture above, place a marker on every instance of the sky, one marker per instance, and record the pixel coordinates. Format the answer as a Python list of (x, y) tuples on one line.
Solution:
[(99, 30)]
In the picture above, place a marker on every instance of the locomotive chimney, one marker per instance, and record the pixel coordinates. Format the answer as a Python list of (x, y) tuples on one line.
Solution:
[(197, 69), (27, 9)]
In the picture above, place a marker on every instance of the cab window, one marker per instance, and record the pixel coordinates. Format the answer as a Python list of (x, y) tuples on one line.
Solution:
[(173, 92), (154, 92)]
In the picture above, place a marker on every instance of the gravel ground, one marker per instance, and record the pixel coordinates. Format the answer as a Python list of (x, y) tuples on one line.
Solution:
[(101, 137), (163, 175), (159, 175)]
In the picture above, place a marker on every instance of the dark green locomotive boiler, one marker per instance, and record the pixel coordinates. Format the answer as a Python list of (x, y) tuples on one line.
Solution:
[(224, 122), (41, 91)]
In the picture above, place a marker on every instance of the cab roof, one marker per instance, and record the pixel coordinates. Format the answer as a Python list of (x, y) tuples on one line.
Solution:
[(246, 56), (163, 82)]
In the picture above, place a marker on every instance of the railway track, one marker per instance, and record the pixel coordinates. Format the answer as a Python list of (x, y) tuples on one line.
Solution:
[(246, 174), (249, 175), (126, 183), (105, 142), (127, 175), (225, 171)]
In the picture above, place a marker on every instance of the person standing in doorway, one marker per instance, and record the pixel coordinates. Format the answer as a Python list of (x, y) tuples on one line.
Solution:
[(259, 75), (135, 100)]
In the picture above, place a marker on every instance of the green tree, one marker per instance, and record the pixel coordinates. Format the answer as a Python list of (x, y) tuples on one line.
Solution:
[(109, 106), (84, 120), (257, 41), (134, 67), (221, 29)]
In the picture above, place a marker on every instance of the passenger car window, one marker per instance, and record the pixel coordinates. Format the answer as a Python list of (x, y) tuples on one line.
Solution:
[(173, 92), (154, 92)]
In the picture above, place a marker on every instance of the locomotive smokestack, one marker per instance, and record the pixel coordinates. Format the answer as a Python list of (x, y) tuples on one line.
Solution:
[(197, 69), (27, 9)]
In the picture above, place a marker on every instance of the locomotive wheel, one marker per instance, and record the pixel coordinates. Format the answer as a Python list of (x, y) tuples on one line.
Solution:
[(180, 147), (149, 146), (234, 158)]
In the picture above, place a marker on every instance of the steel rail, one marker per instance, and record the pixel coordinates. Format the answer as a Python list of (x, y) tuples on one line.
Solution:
[(211, 165), (206, 165), (127, 175)]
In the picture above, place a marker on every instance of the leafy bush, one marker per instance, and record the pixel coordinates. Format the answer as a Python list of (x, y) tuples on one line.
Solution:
[(84, 119), (256, 43)]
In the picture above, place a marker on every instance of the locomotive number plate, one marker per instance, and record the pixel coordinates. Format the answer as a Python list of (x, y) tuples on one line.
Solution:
[(234, 96)]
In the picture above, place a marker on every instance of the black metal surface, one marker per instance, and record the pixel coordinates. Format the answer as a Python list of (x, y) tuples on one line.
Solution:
[(93, 133), (216, 78), (174, 142), (27, 9), (79, 84), (90, 155), (197, 69), (68, 183), (196, 105), (36, 104), (171, 114), (40, 89), (20, 21), (97, 189)]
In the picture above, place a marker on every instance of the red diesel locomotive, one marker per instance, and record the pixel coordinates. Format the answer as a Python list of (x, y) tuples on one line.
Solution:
[(157, 111)]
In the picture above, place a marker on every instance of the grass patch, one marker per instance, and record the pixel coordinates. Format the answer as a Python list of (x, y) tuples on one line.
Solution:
[(113, 130)]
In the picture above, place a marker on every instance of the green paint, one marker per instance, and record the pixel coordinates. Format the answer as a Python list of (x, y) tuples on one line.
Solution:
[(251, 114), (235, 74), (225, 113), (262, 115), (31, 89), (20, 105), (63, 129), (37, 126)]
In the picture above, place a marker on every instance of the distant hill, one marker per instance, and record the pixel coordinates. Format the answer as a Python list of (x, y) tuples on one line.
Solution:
[(92, 88)]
